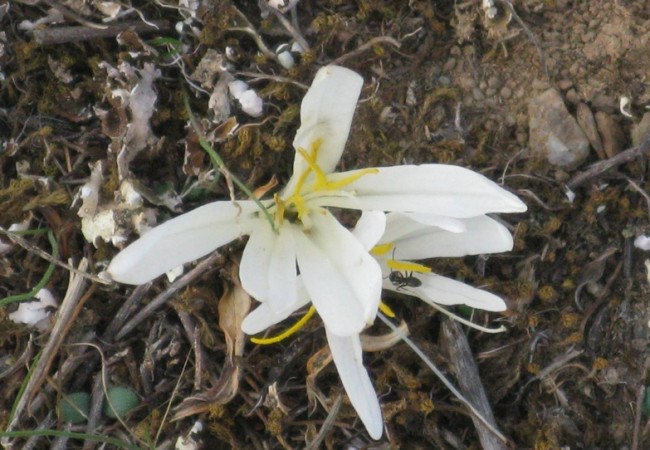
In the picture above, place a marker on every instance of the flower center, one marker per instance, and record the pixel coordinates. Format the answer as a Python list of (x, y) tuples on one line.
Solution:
[(295, 207)]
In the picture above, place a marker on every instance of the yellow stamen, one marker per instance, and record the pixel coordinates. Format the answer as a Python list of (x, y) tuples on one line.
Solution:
[(335, 185), (303, 176), (407, 266), (381, 249), (383, 307), (312, 161), (301, 206), (288, 332)]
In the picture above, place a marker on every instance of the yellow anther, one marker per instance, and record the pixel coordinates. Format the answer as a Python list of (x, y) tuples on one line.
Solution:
[(383, 307), (288, 332), (407, 266), (336, 185), (381, 249)]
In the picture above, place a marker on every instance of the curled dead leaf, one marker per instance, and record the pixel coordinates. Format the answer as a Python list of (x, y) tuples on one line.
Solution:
[(233, 306)]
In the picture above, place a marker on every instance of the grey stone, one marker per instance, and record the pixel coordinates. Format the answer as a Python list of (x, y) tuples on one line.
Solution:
[(554, 133), (611, 133), (641, 130), (588, 124)]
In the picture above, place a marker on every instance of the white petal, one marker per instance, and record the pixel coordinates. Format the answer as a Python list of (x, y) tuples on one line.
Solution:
[(264, 317), (483, 235), (369, 228), (254, 264), (346, 352), (431, 188), (342, 279), (268, 266), (445, 291), (326, 115), (400, 225), (181, 240), (282, 271)]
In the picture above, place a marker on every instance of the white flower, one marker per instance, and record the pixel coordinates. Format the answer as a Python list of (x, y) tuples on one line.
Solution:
[(307, 255), (339, 274)]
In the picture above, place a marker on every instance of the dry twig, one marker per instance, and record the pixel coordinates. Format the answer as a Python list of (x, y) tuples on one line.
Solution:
[(600, 167), (62, 35), (464, 366)]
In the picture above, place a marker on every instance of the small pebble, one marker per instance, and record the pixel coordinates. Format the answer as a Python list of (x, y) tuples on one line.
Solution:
[(611, 134), (586, 120), (641, 130), (554, 133)]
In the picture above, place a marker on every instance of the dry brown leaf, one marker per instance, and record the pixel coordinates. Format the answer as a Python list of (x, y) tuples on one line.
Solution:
[(316, 363), (233, 306)]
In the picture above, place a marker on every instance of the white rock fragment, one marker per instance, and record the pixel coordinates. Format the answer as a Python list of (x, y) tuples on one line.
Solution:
[(103, 225), (36, 312), (282, 5), (237, 88), (250, 102), (189, 442), (285, 58), (109, 9), (297, 48), (490, 10), (175, 273), (642, 242), (14, 227)]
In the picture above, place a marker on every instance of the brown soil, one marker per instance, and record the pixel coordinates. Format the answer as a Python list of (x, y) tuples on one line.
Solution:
[(442, 84)]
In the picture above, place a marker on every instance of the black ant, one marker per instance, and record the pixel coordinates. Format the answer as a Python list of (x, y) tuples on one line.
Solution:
[(401, 280)]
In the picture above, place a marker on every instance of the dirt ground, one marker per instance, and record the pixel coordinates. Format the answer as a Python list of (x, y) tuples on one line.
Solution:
[(444, 83)]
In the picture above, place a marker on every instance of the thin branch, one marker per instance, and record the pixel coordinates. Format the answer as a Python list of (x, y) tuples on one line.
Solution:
[(602, 166), (62, 35)]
